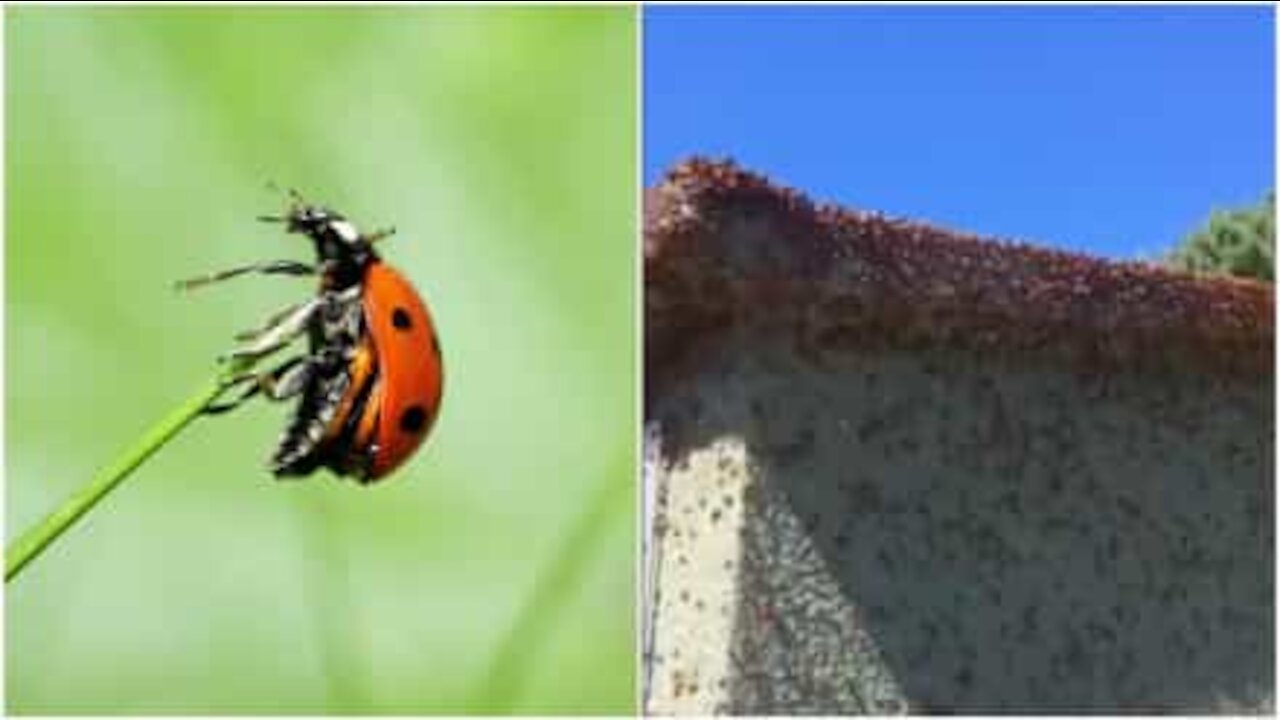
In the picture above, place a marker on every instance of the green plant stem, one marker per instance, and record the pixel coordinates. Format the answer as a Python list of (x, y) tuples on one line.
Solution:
[(36, 539)]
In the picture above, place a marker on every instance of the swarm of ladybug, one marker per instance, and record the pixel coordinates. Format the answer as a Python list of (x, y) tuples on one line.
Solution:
[(369, 384)]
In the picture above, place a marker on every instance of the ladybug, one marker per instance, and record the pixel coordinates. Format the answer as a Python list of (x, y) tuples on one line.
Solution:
[(369, 385)]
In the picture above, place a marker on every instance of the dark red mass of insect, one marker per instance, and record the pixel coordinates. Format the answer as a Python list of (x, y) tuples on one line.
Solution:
[(412, 377), (369, 386)]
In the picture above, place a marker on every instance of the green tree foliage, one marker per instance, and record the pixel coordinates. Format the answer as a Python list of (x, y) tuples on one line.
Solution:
[(1238, 242)]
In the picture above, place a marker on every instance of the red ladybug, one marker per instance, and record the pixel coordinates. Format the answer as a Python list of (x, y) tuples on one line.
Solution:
[(370, 384)]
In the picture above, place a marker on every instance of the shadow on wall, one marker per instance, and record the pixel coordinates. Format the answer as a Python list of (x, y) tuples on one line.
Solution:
[(950, 533)]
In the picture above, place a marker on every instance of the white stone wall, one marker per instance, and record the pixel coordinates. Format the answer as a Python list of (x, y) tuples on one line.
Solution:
[(941, 531)]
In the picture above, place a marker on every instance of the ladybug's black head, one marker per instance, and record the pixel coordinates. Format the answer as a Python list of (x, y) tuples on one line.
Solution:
[(334, 236), (337, 241), (311, 219)]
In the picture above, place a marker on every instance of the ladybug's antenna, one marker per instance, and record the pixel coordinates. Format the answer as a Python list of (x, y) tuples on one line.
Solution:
[(296, 201), (377, 235), (295, 197)]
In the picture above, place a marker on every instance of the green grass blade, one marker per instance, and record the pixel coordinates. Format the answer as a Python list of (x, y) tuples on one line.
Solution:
[(36, 539)]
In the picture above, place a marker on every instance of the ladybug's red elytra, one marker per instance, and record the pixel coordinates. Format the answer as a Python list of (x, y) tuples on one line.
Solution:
[(369, 386)]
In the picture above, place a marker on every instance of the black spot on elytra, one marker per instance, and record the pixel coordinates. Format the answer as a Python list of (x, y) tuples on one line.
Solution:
[(400, 318), (413, 419)]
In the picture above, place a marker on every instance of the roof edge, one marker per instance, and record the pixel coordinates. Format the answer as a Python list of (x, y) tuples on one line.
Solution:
[(726, 248)]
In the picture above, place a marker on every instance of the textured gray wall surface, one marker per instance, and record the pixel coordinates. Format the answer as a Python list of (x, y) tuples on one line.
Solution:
[(948, 532), (899, 468)]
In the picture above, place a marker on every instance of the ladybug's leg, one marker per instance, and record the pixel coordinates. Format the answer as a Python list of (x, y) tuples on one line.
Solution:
[(219, 408), (282, 383), (271, 322), (281, 333), (288, 380), (273, 267), (379, 234), (222, 407), (296, 322)]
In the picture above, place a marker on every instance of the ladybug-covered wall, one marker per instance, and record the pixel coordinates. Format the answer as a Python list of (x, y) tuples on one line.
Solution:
[(896, 468)]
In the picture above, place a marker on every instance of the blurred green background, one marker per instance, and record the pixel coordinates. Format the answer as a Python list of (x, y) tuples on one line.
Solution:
[(495, 572)]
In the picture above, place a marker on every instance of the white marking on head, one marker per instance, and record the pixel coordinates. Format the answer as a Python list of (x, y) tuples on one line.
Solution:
[(345, 230)]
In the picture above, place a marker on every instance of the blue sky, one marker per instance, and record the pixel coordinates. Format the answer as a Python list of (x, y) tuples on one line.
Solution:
[(1112, 130)]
